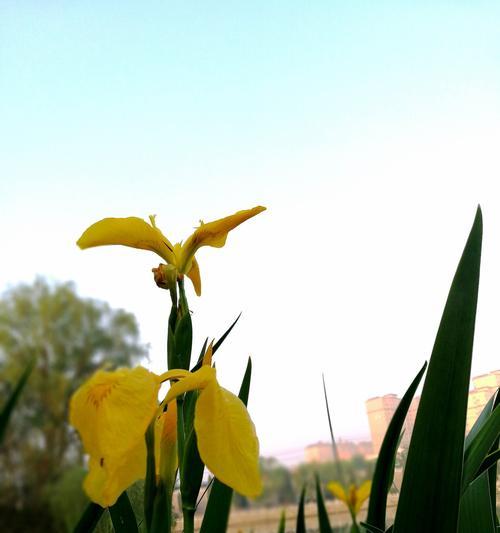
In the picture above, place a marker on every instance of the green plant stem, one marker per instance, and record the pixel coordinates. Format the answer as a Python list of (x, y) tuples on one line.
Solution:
[(183, 304), (188, 515)]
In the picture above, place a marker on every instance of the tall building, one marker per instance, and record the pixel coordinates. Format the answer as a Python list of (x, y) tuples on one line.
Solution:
[(381, 408)]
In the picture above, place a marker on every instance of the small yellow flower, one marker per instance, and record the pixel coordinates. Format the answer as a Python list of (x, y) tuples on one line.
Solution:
[(137, 233), (354, 497), (112, 411)]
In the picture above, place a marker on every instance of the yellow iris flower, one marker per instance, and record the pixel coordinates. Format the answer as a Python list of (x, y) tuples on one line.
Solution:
[(137, 233), (354, 497), (112, 411)]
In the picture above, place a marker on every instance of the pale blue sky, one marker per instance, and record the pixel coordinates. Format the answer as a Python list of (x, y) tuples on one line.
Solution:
[(369, 130)]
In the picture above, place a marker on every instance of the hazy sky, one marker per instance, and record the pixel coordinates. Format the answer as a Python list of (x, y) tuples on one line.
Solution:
[(370, 130)]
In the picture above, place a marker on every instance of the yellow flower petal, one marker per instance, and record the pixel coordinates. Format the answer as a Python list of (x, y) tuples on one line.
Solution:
[(131, 231), (338, 491), (194, 276), (361, 495), (111, 412), (227, 441), (193, 380), (109, 476), (213, 234)]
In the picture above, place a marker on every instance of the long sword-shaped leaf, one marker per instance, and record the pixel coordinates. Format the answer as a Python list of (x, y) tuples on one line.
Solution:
[(479, 447), (476, 511), (11, 402), (430, 493), (122, 515), (89, 518), (219, 502), (493, 402), (324, 521), (301, 515), (383, 475)]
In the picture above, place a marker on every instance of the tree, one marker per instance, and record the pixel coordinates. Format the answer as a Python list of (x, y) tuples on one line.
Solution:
[(68, 337)]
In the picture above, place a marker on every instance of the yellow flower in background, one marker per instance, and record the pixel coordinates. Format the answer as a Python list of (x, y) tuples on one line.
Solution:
[(137, 233), (354, 497), (227, 441), (111, 412)]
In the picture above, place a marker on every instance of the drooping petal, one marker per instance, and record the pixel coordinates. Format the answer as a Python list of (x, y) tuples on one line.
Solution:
[(194, 276), (361, 495), (213, 234), (338, 491), (110, 475), (132, 231), (111, 412), (192, 381), (227, 441)]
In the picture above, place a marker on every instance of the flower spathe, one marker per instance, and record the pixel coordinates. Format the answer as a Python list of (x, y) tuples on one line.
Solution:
[(111, 412), (354, 497), (137, 233)]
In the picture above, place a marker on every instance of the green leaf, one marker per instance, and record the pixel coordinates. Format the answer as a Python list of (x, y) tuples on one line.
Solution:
[(12, 400), (216, 515), (430, 492), (162, 515), (488, 462), (492, 471), (282, 524), (478, 448), (370, 528), (122, 515), (324, 522), (150, 481), (216, 346), (301, 517), (183, 341), (476, 511), (481, 419), (336, 459), (384, 469), (89, 519), (192, 475)]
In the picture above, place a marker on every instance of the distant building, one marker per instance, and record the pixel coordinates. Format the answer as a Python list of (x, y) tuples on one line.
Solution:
[(381, 408), (321, 452)]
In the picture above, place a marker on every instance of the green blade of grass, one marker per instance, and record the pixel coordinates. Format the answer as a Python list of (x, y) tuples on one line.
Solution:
[(282, 524), (301, 516), (89, 519), (12, 400), (323, 520), (430, 492), (384, 469), (122, 515), (216, 515), (336, 459)]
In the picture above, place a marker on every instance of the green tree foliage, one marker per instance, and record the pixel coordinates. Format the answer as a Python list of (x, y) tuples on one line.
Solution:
[(68, 337), (277, 481)]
